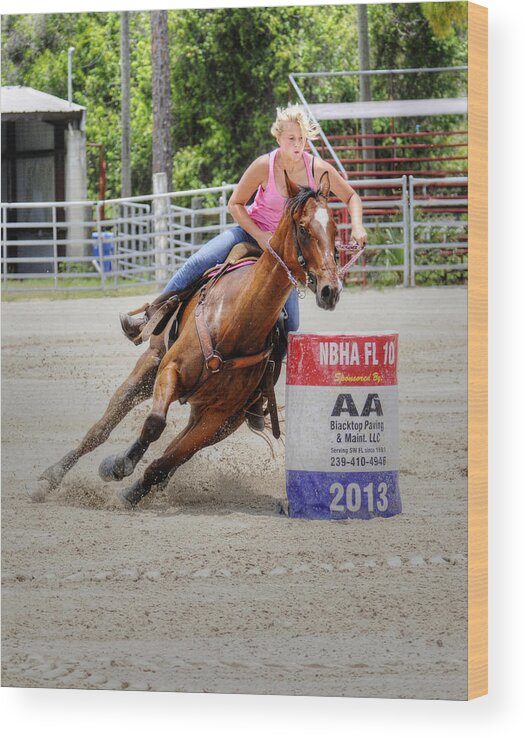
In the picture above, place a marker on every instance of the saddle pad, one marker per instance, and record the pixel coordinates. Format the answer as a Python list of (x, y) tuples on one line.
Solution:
[(232, 267)]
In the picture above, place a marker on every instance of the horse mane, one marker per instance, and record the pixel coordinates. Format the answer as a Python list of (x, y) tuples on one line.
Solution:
[(299, 200)]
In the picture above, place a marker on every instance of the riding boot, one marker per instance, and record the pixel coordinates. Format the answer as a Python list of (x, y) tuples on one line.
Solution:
[(133, 327), (255, 415)]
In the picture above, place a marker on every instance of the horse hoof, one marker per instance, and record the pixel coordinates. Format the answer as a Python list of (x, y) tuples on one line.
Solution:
[(133, 495), (122, 502), (42, 488), (114, 468), (281, 508)]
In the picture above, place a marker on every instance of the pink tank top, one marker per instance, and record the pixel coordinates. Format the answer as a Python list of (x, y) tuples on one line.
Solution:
[(267, 208)]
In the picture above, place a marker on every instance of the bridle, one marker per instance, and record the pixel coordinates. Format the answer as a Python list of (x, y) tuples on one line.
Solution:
[(311, 280), (289, 274), (352, 247)]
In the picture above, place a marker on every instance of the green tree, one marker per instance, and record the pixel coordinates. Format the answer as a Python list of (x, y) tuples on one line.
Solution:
[(229, 71), (34, 54), (446, 19), (403, 39)]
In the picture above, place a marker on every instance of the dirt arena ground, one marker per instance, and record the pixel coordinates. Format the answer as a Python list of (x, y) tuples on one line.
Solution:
[(206, 587)]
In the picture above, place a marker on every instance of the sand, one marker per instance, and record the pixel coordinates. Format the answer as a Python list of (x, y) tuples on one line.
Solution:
[(206, 586)]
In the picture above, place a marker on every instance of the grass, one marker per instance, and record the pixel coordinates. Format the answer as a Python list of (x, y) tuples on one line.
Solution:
[(388, 256), (71, 291), (75, 286)]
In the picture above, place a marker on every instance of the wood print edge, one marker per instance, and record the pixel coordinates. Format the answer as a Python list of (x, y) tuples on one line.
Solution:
[(477, 352)]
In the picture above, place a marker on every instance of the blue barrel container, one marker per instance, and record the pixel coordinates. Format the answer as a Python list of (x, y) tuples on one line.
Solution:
[(106, 238)]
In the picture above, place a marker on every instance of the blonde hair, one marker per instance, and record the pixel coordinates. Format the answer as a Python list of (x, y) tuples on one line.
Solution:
[(295, 114)]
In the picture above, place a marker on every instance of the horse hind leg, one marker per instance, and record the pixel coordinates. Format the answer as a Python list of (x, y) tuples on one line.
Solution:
[(116, 467), (194, 437), (134, 390)]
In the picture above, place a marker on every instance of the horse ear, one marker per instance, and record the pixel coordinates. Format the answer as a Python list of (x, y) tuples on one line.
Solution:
[(291, 187), (324, 185)]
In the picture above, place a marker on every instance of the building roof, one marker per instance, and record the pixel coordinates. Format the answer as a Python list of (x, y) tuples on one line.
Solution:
[(390, 109), (25, 102)]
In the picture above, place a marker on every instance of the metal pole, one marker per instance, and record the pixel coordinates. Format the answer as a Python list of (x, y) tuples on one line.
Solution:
[(70, 75), (197, 221), (55, 248), (101, 247), (411, 231), (380, 71), (222, 214), (365, 91), (4, 245), (160, 212), (312, 116), (406, 255)]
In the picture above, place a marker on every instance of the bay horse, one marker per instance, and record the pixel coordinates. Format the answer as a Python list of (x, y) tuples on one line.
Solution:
[(238, 314)]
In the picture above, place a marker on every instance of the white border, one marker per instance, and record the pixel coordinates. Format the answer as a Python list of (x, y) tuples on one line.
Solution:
[(59, 713)]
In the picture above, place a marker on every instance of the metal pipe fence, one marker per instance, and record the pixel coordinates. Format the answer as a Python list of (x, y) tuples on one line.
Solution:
[(386, 221), (438, 225), (69, 246), (335, 88)]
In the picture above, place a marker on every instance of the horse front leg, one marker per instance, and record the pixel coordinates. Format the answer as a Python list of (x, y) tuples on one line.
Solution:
[(116, 467), (203, 429), (134, 390)]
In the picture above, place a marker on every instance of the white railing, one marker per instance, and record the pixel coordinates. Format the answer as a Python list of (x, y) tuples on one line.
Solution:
[(438, 225), (386, 221), (112, 244)]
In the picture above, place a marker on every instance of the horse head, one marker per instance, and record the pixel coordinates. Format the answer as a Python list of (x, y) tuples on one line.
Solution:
[(313, 234)]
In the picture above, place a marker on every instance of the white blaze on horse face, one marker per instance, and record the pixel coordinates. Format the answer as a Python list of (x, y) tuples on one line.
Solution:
[(321, 216)]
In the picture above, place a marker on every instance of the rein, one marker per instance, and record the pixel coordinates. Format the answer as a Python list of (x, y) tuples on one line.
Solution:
[(354, 249), (295, 283), (300, 258)]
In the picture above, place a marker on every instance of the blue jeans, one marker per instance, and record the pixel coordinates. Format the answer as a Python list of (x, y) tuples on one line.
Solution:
[(215, 252)]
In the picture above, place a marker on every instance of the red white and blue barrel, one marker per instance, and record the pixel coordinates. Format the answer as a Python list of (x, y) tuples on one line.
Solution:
[(342, 426)]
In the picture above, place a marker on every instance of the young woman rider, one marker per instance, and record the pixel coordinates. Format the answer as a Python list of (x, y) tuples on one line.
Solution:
[(257, 222)]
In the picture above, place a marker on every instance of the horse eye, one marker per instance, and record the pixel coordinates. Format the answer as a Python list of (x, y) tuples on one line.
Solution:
[(302, 230)]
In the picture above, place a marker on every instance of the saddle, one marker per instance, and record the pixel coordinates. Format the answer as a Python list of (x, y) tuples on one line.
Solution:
[(165, 312)]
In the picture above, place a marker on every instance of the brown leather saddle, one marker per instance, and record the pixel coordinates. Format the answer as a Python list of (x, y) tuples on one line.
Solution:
[(166, 310), (165, 316)]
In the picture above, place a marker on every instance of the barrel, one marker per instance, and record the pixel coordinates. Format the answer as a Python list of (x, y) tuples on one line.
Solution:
[(106, 239), (342, 426)]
